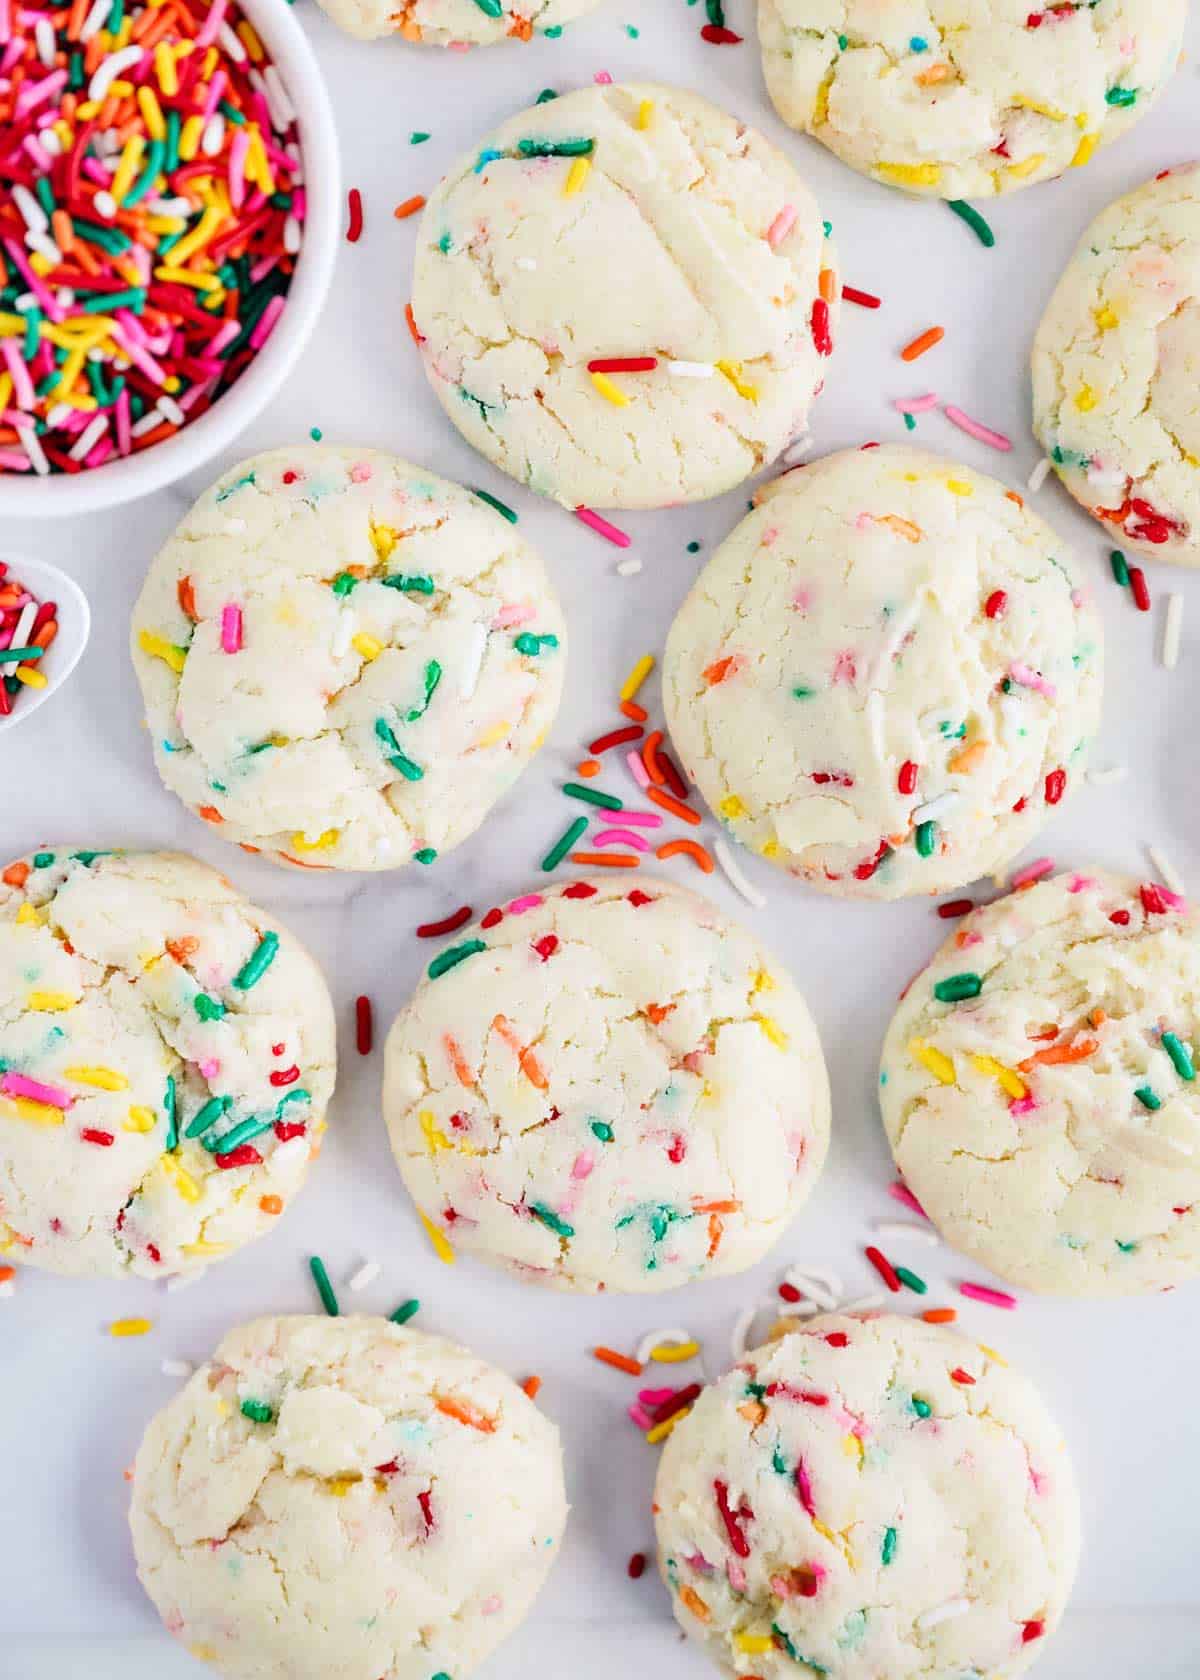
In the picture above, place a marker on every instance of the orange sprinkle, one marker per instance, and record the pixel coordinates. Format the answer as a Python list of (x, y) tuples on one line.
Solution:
[(271, 1204), (458, 1062), (720, 669), (688, 1596), (1097, 1018), (209, 813), (75, 19), (693, 848), (187, 597), (940, 1315), (923, 341), (656, 1013), (532, 1387), (409, 208), (970, 758), (827, 284), (46, 634), (650, 757), (7, 1273), (462, 1411), (64, 234), (532, 1069), (716, 1230), (15, 875), (1057, 1055), (522, 28), (676, 807), (182, 949), (606, 1356), (1013, 497), (902, 527), (717, 1207), (935, 74), (605, 860), (587, 768), (417, 337), (631, 709)]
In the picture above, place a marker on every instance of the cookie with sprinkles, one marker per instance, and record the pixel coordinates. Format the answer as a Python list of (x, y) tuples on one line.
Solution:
[(1038, 1086), (876, 1499), (957, 101), (888, 676), (345, 660), (566, 1092), (1116, 369), (342, 1497), (451, 23), (167, 1053), (625, 298)]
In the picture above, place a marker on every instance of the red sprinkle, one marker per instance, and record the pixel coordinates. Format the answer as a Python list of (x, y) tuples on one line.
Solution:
[(623, 364), (284, 1076), (285, 1130), (885, 1269), (1056, 786), (821, 337), (1120, 918), (435, 930), (719, 36), (906, 781), (245, 1155), (354, 226), (733, 1520), (363, 1036), (789, 1292), (615, 738), (493, 919), (671, 775), (865, 300), (546, 947), (676, 1403), (995, 604), (1032, 1630), (580, 889), (958, 1375), (636, 1566), (957, 907), (637, 897), (1153, 902), (838, 1338), (89, 1134), (1141, 593)]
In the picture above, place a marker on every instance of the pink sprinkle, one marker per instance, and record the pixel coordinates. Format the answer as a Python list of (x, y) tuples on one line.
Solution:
[(1031, 679), (602, 78), (239, 146), (990, 1297), (519, 906), (490, 1606), (655, 1396), (360, 472), (17, 1085), (966, 940), (1082, 883), (917, 405), (781, 226), (1031, 872), (516, 612), (266, 322), (212, 23), (1022, 1105), (1172, 900), (621, 837), (804, 1485), (634, 760), (901, 1193), (982, 434), (736, 1575), (211, 1068), (22, 384), (640, 1416), (601, 526), (231, 627), (583, 1165), (641, 819)]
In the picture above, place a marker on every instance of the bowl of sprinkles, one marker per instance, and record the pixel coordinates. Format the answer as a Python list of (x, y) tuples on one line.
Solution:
[(45, 622), (168, 226)]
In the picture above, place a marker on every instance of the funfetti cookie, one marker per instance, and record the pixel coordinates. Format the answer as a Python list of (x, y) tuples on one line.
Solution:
[(967, 100), (874, 1499), (607, 1087), (1038, 1086), (1116, 369), (450, 23), (887, 677), (625, 298), (342, 1499), (345, 660), (166, 1057)]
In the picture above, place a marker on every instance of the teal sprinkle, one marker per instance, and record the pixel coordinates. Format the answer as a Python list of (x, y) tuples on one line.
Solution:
[(33, 332), (1127, 1248), (918, 43), (602, 1130), (958, 987), (399, 760), (232, 113), (925, 837), (208, 1116), (853, 1631), (693, 548), (546, 95), (921, 1407), (828, 226), (1178, 1052), (403, 1313), (446, 960), (299, 1094), (87, 859), (551, 34), (231, 489), (556, 148), (550, 1218), (257, 1411), (1145, 1095), (805, 1662), (888, 1552), (316, 434), (632, 32), (500, 507), (427, 854), (910, 421), (483, 407), (1121, 96), (418, 583), (257, 963), (533, 645), (488, 155), (843, 42), (491, 8), (43, 860), (800, 692), (172, 1109), (433, 676), (443, 244), (208, 1008), (910, 1280), (155, 153), (418, 137), (241, 1133), (778, 1462), (344, 583)]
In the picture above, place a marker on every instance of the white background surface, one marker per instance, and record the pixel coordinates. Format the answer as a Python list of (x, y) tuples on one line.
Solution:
[(1122, 1377)]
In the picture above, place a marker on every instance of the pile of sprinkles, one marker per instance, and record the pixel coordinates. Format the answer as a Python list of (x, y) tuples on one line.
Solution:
[(27, 628), (151, 208)]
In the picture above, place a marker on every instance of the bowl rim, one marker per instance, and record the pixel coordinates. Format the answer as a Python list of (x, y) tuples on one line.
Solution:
[(117, 482), (43, 573)]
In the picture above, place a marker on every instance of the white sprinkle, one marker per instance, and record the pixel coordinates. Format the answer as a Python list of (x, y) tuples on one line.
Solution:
[(674, 1337), (899, 1230), (110, 68), (44, 246), (95, 19), (347, 619), (43, 32), (866, 1303), (170, 410), (50, 142), (692, 370), (24, 624), (1160, 862), (733, 870), (366, 1273), (89, 437), (526, 264), (468, 680), (1172, 630), (796, 451), (105, 205), (944, 1612), (170, 206), (147, 423), (59, 413), (24, 302), (65, 298), (176, 1368), (1106, 778), (823, 1288), (31, 444), (741, 1328), (32, 214), (213, 137), (277, 98), (1040, 474), (185, 1280), (799, 1309), (935, 809), (291, 234), (628, 568), (232, 44)]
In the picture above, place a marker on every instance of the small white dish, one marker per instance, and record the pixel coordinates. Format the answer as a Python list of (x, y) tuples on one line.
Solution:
[(48, 583)]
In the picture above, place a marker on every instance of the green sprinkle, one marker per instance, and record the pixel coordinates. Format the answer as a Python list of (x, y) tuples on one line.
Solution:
[(889, 1546), (43, 860), (716, 12), (239, 1134), (344, 583), (563, 844), (415, 584), (533, 645), (316, 434), (632, 32), (828, 226), (492, 8), (208, 1008), (258, 962), (958, 987), (232, 114), (443, 243), (171, 161), (555, 148), (298, 1094), (172, 1109), (1120, 567), (910, 421), (778, 1462), (134, 298), (446, 960), (551, 34), (427, 854), (1121, 96), (805, 1662), (155, 153), (843, 42), (433, 676), (1145, 1095), (87, 859), (802, 693), (546, 95), (1180, 1058), (324, 1288), (921, 1407), (14, 656), (693, 548), (418, 137), (231, 489), (398, 760), (910, 1280), (33, 332), (404, 1313), (207, 1116), (593, 796), (548, 1217), (257, 1411), (602, 1130), (500, 507), (973, 220), (926, 836), (1126, 1247)]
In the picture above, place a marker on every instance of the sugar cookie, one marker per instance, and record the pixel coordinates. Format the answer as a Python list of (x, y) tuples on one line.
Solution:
[(450, 23)]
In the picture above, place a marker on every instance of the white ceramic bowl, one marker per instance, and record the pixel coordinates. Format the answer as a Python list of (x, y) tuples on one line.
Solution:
[(48, 583), (28, 496)]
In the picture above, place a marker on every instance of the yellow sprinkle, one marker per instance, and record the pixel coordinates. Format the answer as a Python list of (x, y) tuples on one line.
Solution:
[(165, 224), (645, 114), (130, 1326), (1011, 1083), (37, 1113), (668, 1355), (956, 487), (970, 758), (1026, 166), (637, 677), (159, 648), (576, 176), (853, 1448), (1050, 111), (497, 732), (186, 277), (301, 842), (773, 1032), (440, 1246), (1085, 399), (107, 1079), (77, 399), (45, 1002), (1106, 319), (152, 112), (212, 219), (189, 138), (940, 1066), (662, 1430), (204, 1250), (821, 103), (733, 372), (911, 174), (368, 646), (203, 1653), (837, 1540), (763, 982), (29, 916), (252, 43), (754, 1644), (609, 390), (140, 1120), (127, 168), (40, 264), (732, 807), (164, 69), (341, 1485), (992, 1354), (769, 849), (383, 539), (435, 1137), (1083, 152), (184, 1182)]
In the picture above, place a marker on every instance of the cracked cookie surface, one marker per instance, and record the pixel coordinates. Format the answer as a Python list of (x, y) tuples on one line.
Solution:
[(1038, 1087), (447, 23), (632, 221), (1116, 369), (344, 1499), (167, 1054), (345, 660), (872, 1499), (967, 98), (610, 1088), (886, 675)]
